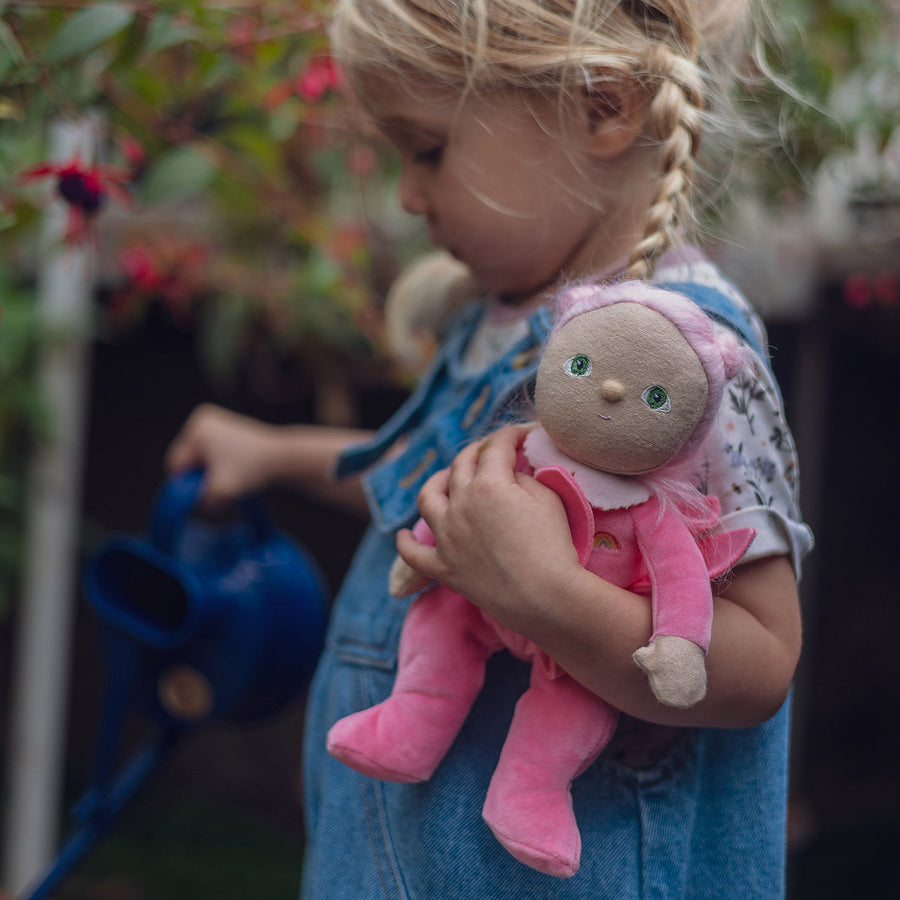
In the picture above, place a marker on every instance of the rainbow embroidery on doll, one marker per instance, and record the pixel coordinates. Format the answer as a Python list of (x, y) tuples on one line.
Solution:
[(607, 540)]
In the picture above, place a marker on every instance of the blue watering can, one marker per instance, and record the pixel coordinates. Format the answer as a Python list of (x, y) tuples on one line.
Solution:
[(198, 622), (216, 621)]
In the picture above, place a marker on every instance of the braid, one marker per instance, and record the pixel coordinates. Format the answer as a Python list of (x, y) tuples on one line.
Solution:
[(685, 55), (674, 121)]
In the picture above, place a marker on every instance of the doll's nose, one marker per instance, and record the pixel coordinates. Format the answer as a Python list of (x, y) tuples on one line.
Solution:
[(612, 390)]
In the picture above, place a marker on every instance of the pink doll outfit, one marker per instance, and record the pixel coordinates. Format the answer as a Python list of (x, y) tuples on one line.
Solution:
[(559, 727), (623, 533)]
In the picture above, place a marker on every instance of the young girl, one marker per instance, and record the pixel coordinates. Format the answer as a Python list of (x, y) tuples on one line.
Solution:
[(543, 141)]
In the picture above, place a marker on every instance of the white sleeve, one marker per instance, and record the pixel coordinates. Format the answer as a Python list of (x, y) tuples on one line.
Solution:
[(750, 465)]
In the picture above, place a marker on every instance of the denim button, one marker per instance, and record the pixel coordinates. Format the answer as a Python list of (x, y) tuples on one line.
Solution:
[(525, 358), (416, 473), (475, 408)]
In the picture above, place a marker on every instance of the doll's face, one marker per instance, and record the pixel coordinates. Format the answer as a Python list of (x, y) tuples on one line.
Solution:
[(620, 389)]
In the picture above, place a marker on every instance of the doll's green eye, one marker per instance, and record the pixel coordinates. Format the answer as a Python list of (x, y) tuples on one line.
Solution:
[(578, 365), (657, 399)]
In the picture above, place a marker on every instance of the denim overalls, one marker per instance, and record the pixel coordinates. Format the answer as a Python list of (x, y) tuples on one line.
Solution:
[(702, 817)]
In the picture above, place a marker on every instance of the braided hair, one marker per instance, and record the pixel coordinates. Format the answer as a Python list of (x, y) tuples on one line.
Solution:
[(684, 55)]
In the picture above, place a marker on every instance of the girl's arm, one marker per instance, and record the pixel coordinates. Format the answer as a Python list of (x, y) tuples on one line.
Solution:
[(503, 541), (243, 455)]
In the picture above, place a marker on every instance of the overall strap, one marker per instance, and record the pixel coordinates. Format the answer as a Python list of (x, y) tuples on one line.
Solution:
[(718, 305), (410, 413)]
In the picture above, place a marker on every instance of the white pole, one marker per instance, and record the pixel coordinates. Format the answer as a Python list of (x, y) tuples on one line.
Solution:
[(46, 606)]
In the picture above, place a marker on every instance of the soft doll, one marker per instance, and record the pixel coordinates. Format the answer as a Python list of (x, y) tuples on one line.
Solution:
[(629, 383)]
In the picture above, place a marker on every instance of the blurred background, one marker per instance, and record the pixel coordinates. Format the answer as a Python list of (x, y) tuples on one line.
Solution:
[(190, 211)]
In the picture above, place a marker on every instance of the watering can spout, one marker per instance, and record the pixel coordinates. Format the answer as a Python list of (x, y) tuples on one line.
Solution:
[(144, 593)]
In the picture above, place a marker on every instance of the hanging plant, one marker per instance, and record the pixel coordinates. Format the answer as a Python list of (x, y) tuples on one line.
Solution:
[(226, 197), (227, 132)]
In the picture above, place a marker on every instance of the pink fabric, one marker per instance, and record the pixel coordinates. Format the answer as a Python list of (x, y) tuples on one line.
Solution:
[(650, 550), (559, 727)]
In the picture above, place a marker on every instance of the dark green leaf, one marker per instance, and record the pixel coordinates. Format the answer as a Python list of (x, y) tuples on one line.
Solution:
[(86, 30), (178, 174), (166, 31), (10, 50)]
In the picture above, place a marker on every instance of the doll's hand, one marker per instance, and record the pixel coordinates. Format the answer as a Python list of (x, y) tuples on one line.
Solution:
[(404, 580), (676, 669), (502, 539)]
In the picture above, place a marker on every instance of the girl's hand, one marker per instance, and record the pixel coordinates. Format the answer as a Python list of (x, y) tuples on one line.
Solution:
[(502, 539), (230, 447), (503, 542)]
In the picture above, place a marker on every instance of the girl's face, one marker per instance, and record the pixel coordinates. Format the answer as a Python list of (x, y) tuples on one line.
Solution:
[(499, 190), (620, 389)]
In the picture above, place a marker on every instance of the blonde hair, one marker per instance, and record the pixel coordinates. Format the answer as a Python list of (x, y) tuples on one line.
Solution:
[(682, 53)]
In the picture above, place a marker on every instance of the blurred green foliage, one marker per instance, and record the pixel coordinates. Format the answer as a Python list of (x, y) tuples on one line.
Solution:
[(243, 171), (841, 61), (241, 161)]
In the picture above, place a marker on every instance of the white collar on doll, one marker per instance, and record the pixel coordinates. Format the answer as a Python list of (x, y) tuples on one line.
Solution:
[(603, 490)]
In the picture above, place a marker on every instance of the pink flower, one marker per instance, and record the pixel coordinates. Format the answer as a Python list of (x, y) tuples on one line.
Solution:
[(142, 269), (857, 291), (320, 76), (133, 151), (166, 269), (887, 288)]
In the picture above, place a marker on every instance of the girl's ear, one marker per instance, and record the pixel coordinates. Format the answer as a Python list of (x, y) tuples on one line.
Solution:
[(614, 113)]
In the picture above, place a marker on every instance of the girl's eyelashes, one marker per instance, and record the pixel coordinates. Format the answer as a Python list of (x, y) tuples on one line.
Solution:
[(429, 157), (421, 145)]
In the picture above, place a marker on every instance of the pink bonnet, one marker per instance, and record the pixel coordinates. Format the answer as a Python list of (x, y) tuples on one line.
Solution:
[(720, 355)]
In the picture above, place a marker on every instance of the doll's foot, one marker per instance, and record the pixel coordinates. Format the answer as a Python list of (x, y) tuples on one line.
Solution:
[(343, 744), (377, 742), (676, 669), (537, 828)]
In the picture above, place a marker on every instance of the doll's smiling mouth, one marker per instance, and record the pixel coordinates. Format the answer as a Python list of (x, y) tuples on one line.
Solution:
[(607, 418)]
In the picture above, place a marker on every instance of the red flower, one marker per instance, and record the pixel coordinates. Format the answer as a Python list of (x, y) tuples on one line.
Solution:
[(320, 76), (84, 188), (135, 154), (143, 270), (163, 268), (886, 288), (857, 291)]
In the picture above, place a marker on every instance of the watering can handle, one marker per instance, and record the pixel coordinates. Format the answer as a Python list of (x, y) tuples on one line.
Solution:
[(176, 501)]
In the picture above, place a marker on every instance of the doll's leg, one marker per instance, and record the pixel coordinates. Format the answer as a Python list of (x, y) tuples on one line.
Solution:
[(444, 647), (558, 730)]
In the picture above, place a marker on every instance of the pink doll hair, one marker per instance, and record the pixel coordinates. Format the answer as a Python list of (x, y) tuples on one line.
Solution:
[(720, 355)]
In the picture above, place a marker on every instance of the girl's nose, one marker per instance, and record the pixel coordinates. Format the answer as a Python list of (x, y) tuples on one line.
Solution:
[(612, 390), (412, 197)]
